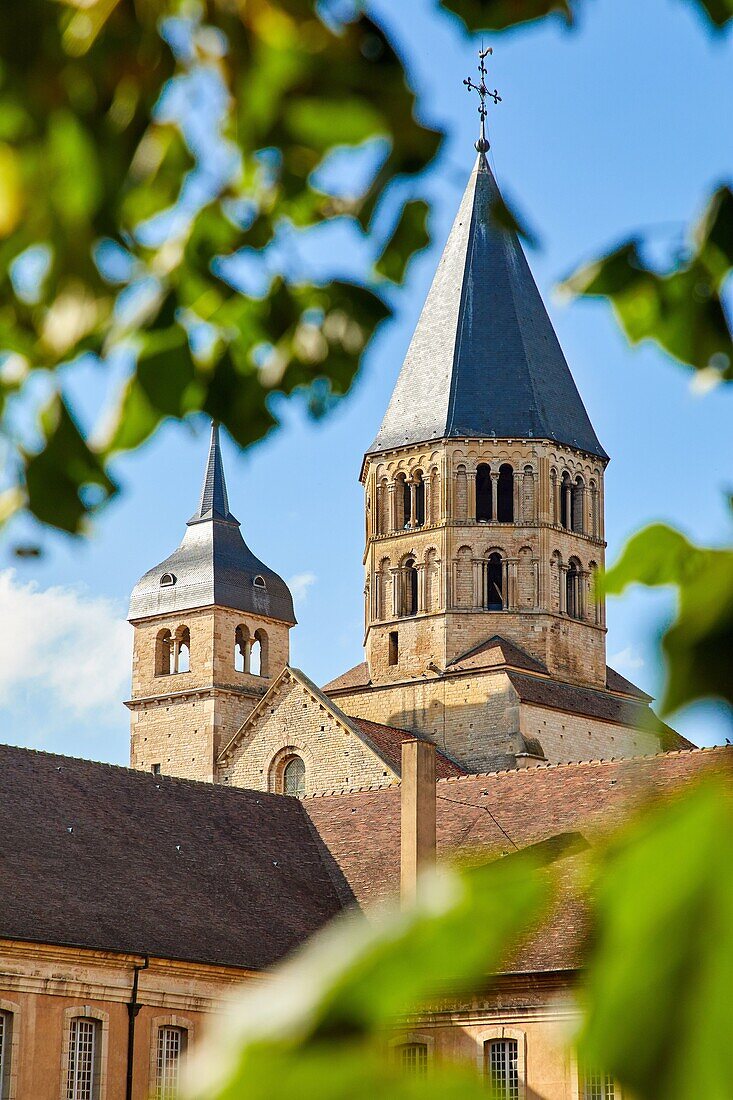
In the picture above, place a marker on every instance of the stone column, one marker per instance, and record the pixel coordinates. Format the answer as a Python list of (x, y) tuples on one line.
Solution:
[(175, 653), (517, 481), (421, 600), (247, 653), (396, 593), (581, 596), (505, 583), (478, 583), (511, 596), (392, 508), (535, 583), (413, 505), (568, 505), (563, 570), (535, 496), (494, 494), (471, 495), (556, 500)]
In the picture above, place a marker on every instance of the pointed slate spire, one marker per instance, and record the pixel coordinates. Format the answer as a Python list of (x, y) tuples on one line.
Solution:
[(214, 503), (484, 360)]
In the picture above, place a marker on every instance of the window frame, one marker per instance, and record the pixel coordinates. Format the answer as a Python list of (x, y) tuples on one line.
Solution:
[(413, 1038), (99, 1081), (496, 1034), (577, 1071), (181, 1023), (9, 1063)]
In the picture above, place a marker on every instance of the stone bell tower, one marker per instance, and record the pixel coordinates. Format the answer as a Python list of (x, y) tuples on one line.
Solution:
[(484, 485), (211, 627)]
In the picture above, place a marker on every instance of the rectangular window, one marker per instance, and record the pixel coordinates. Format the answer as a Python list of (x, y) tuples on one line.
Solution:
[(393, 647), (595, 1085), (414, 1058), (502, 1068), (171, 1047), (82, 1076), (6, 1038), (155, 769)]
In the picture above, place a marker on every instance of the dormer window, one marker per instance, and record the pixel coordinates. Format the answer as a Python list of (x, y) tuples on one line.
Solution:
[(167, 579), (259, 582)]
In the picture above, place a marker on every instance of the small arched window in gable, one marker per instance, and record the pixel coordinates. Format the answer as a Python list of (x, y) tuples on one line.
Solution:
[(413, 1058), (293, 777), (167, 580), (484, 512), (259, 581), (505, 494), (163, 653)]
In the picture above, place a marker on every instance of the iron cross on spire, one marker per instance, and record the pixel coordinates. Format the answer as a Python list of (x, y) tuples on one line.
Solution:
[(482, 145)]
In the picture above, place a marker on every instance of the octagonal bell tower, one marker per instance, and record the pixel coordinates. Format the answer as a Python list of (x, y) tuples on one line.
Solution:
[(484, 485)]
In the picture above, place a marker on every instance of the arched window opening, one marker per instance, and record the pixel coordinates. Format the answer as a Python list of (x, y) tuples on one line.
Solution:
[(259, 654), (409, 582), (167, 579), (82, 1073), (163, 653), (501, 1059), (572, 594), (484, 512), (505, 494), (242, 645), (418, 488), (565, 505), (259, 581), (413, 1058), (171, 1050), (293, 779), (494, 583), (576, 506), (182, 650), (596, 1085)]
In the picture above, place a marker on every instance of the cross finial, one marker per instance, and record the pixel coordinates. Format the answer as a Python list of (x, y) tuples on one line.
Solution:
[(482, 145)]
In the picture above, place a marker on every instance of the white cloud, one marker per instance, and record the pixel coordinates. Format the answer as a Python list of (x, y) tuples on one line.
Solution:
[(75, 647), (627, 658), (300, 585)]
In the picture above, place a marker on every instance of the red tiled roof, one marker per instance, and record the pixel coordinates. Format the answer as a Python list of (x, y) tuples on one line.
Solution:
[(388, 740), (498, 811)]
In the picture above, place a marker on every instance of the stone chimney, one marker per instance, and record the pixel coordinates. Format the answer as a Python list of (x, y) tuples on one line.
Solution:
[(417, 814)]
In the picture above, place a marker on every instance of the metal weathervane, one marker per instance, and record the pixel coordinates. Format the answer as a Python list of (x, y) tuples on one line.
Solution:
[(482, 145)]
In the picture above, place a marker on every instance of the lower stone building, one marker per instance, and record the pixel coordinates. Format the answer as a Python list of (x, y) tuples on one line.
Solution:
[(134, 904)]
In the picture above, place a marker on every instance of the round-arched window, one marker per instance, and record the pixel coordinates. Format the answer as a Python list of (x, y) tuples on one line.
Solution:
[(294, 777), (259, 582)]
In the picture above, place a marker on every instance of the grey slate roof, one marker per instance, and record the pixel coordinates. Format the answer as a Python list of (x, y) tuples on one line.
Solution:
[(213, 564), (112, 859), (484, 360)]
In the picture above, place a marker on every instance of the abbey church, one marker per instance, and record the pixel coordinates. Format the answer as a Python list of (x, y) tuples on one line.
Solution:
[(260, 806), (483, 494)]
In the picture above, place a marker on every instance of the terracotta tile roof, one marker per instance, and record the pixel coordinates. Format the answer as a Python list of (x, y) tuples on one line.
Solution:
[(497, 651), (114, 859), (574, 699), (499, 811), (388, 740), (356, 677)]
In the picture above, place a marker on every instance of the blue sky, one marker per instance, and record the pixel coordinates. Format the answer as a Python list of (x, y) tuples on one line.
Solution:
[(621, 126)]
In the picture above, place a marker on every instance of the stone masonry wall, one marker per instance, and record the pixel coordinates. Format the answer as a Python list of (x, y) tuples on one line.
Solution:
[(294, 722), (570, 737)]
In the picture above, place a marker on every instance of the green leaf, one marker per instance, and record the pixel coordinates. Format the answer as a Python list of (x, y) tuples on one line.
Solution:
[(56, 478), (318, 1027), (496, 15), (699, 642), (410, 235), (719, 12), (659, 978), (681, 310), (324, 123), (506, 217)]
